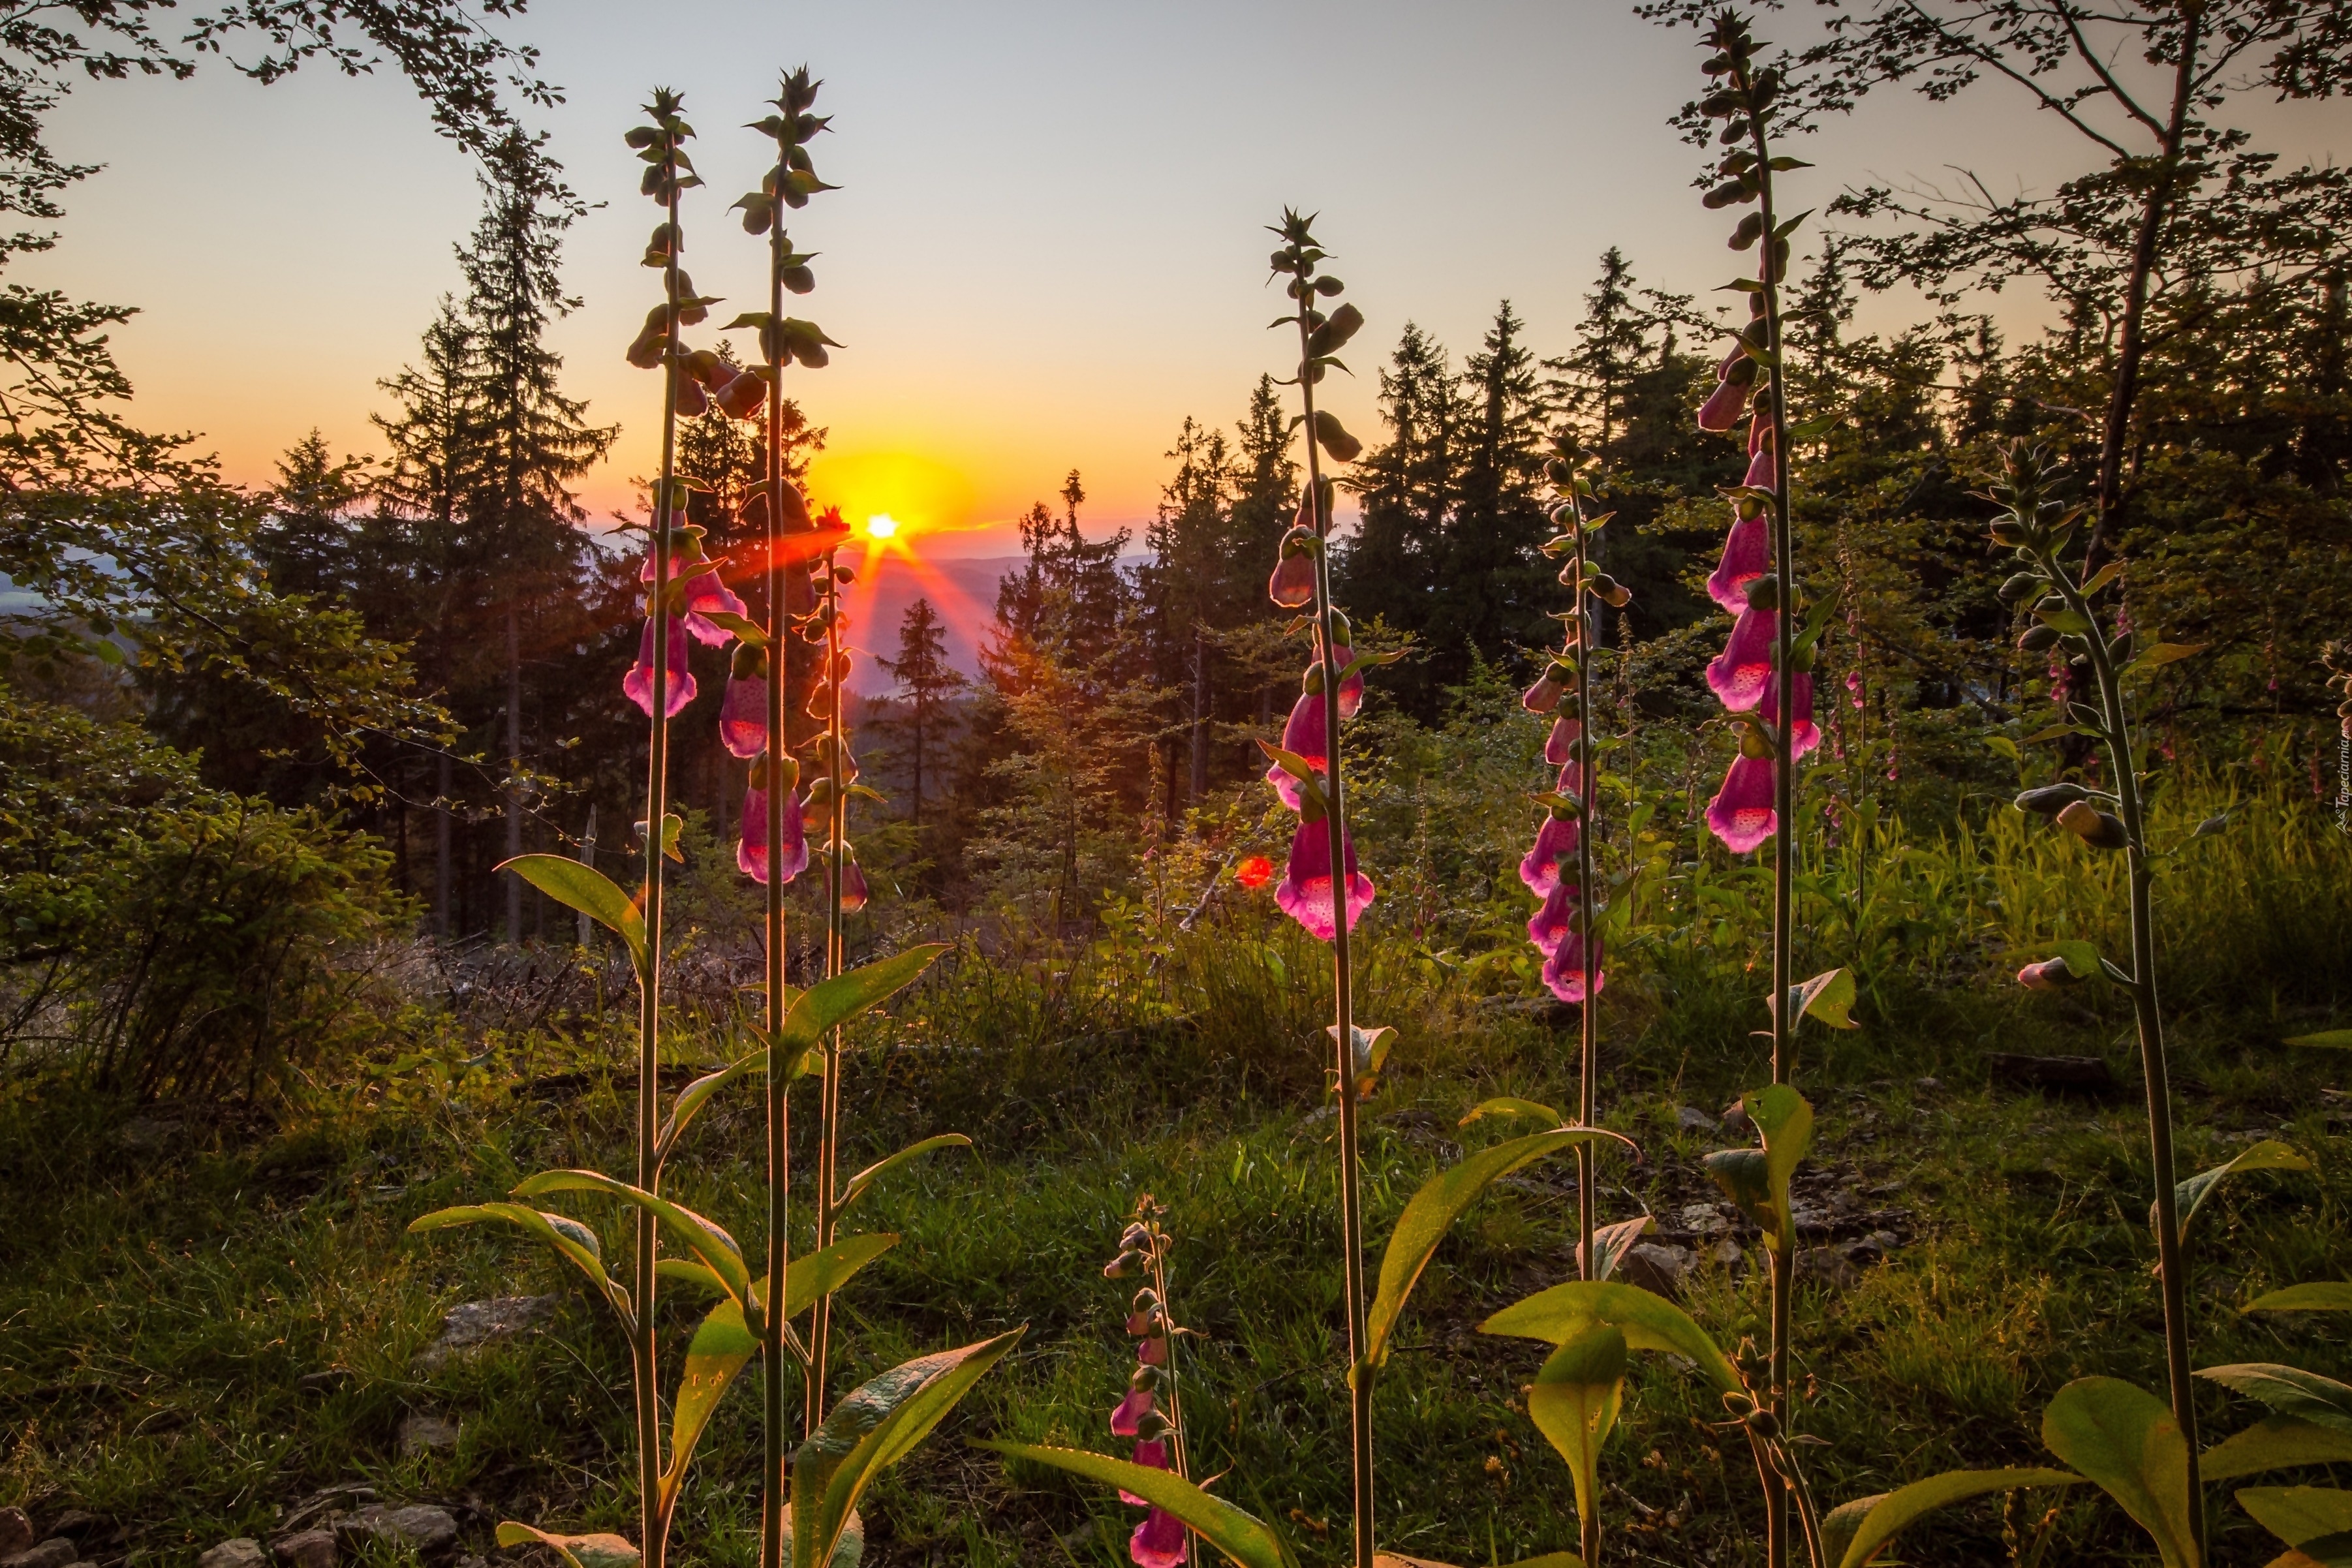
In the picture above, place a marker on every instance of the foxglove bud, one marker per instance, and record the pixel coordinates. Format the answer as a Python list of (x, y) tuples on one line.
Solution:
[(2047, 975), (2050, 798), (1292, 586), (2094, 827)]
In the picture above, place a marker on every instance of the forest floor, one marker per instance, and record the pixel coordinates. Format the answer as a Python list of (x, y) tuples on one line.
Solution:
[(207, 1318)]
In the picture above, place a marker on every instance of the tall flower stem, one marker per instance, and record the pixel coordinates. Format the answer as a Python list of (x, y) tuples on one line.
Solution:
[(1351, 1203), (643, 1344), (1587, 774), (772, 1479), (828, 1159), (2171, 1259)]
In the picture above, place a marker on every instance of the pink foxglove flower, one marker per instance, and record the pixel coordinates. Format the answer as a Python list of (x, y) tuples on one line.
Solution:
[(1545, 695), (638, 684), (854, 889), (1303, 734), (1351, 688), (1762, 471), (1306, 894), (1152, 1453), (1737, 675), (1804, 735), (705, 594), (1729, 400), (1292, 586), (1158, 1541), (743, 715), (1563, 971), (752, 853), (1741, 813), (1565, 733), (1551, 923), (1747, 556), (1127, 1419), (1555, 843)]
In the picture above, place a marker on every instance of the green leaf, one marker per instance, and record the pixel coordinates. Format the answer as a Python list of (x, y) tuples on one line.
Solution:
[(1433, 1212), (2189, 1195), (578, 1550), (848, 1552), (1302, 772), (1649, 1321), (1827, 997), (1611, 1242), (1242, 1537), (2320, 1296), (2303, 1516), (2289, 1390), (1757, 1180), (745, 630), (822, 1273), (2332, 1040), (572, 1241), (1506, 1105), (872, 1429), (2273, 1443), (720, 1348), (2164, 654), (695, 1274), (2106, 574), (829, 1004), (587, 889), (2124, 1439), (884, 1166), (2066, 623), (694, 1096), (1574, 1402), (1859, 1530), (705, 1240)]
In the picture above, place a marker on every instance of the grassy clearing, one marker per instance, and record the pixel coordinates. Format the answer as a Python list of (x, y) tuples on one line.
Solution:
[(200, 1325)]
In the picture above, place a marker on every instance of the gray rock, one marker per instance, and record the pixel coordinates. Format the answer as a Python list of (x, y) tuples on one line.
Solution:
[(431, 1532), (1691, 1119), (1657, 1266), (1828, 1266), (420, 1434), (15, 1530), (243, 1552), (56, 1551), (1727, 1253), (306, 1549), (468, 1327), (1929, 1085), (1705, 1218)]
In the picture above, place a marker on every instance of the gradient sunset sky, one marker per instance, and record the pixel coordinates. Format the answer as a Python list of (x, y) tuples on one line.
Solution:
[(1048, 248)]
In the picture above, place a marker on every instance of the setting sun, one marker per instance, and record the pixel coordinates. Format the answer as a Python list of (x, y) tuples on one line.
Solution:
[(881, 526)]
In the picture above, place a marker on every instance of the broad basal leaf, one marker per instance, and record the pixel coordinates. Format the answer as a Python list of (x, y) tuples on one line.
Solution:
[(2124, 1439), (1857, 1531), (2314, 1520), (1649, 1322), (1574, 1402), (1242, 1537), (872, 1429), (2290, 1391), (1433, 1212), (2274, 1443)]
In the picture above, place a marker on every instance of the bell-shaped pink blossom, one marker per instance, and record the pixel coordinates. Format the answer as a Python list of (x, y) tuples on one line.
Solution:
[(1555, 846), (705, 594), (1736, 676), (741, 396), (1127, 1419), (1729, 401), (1565, 733), (853, 891), (1741, 813), (1545, 695), (1152, 1453), (1550, 924), (1747, 556), (1158, 1541), (1292, 586), (1306, 894), (1804, 735), (743, 715), (1760, 434), (752, 853), (1563, 971), (638, 684), (1302, 734)]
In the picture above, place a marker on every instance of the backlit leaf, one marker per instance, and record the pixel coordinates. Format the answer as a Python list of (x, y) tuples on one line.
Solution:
[(1506, 1105), (720, 1348), (1433, 1212), (1857, 1531), (1649, 1322), (587, 889), (716, 1250), (2320, 1296), (573, 1241), (1242, 1537), (2124, 1439), (2190, 1194), (829, 1004), (1827, 997), (2289, 1390), (2331, 1038), (2315, 1520), (2274, 1443), (1574, 1403), (578, 1550), (858, 1184)]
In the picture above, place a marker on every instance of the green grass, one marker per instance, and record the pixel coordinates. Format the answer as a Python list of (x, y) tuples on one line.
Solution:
[(160, 1310)]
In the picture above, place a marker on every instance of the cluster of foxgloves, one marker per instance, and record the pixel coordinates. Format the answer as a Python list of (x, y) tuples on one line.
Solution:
[(782, 715)]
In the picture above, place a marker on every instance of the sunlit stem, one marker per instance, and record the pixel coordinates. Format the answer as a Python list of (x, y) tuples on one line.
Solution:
[(1351, 1212), (2171, 1259), (828, 1166), (773, 1482), (1783, 1260), (642, 1344), (1175, 1395), (1587, 775)]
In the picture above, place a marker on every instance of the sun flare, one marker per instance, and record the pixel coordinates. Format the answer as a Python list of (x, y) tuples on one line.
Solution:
[(881, 526)]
